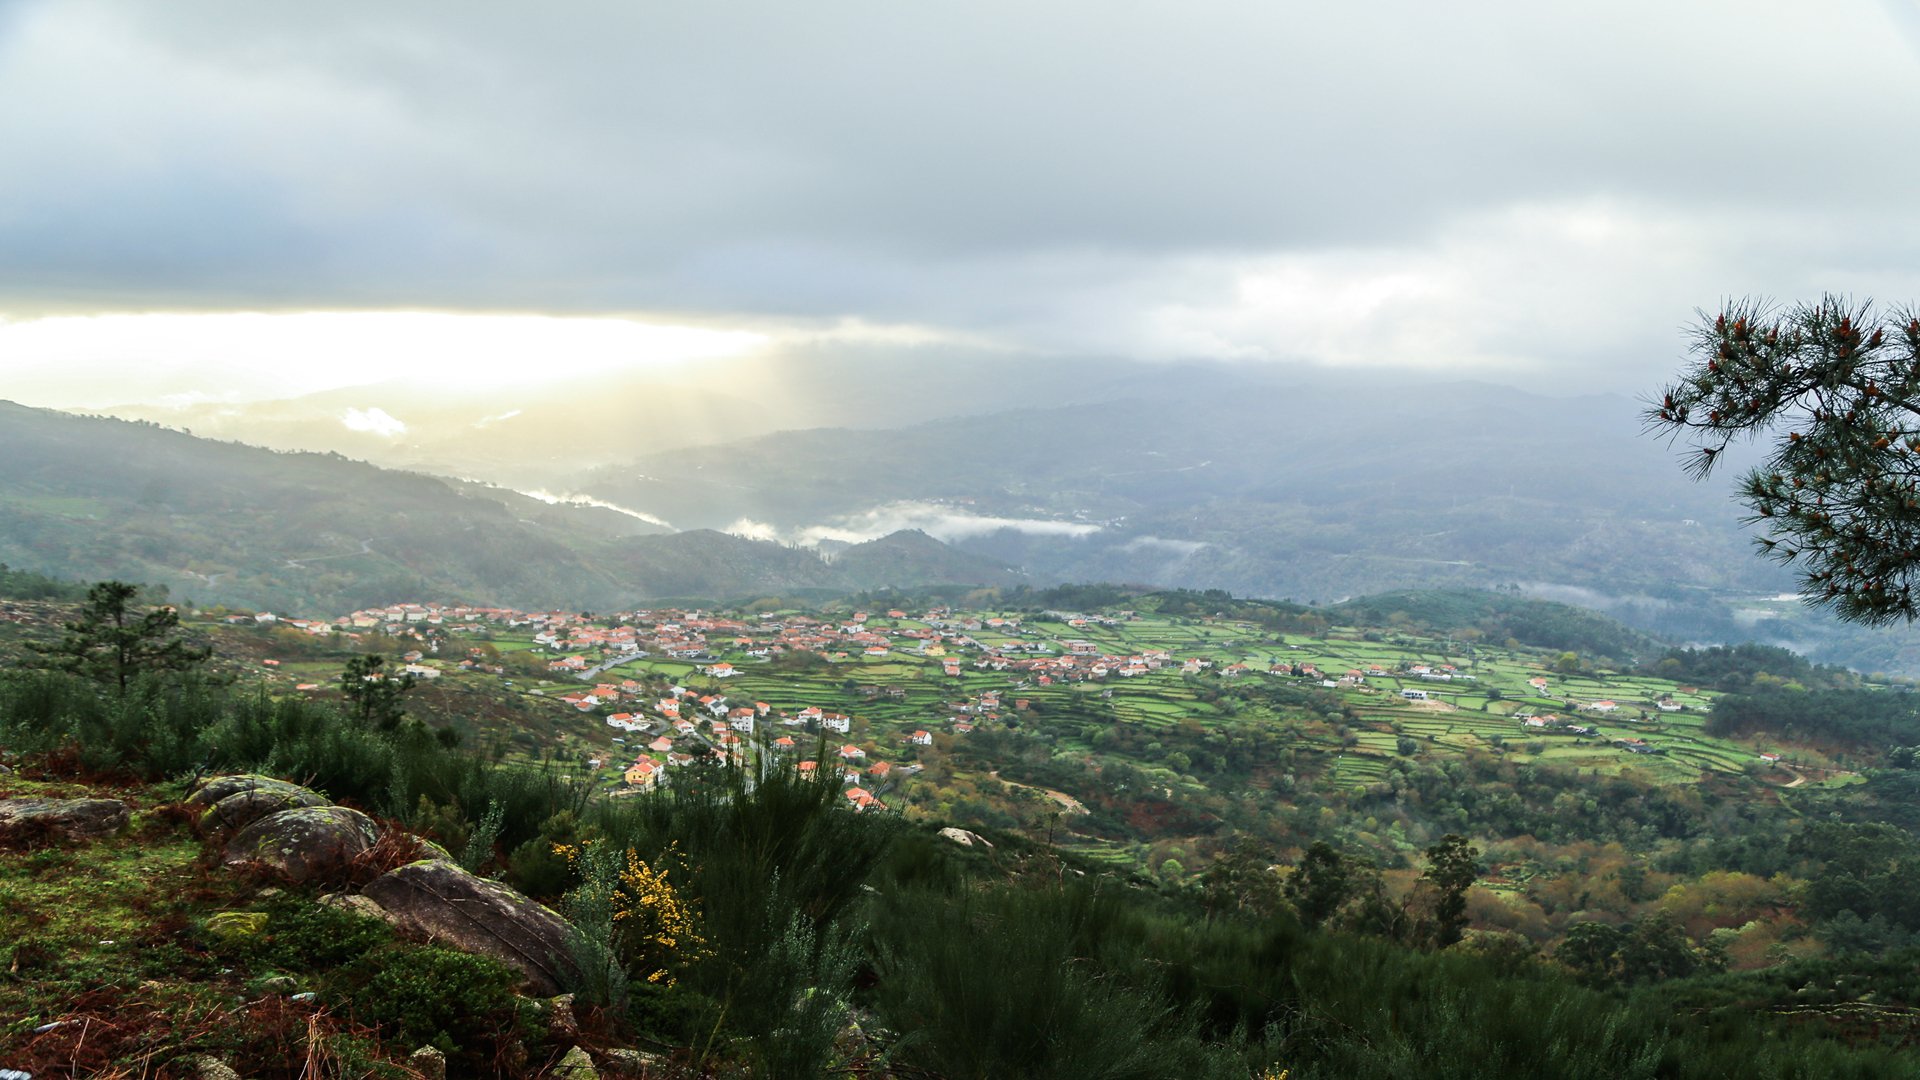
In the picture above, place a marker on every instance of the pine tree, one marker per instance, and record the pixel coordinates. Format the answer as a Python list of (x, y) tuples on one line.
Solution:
[(374, 693), (1837, 385), (112, 642)]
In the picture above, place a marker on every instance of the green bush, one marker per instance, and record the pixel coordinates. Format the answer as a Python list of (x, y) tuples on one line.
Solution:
[(192, 725), (1003, 982), (798, 996), (304, 936), (427, 994), (752, 858)]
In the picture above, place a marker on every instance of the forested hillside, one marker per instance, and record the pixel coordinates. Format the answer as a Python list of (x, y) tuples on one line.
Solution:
[(224, 523)]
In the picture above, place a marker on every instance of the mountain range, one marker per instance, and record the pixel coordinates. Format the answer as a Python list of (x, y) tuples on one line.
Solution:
[(770, 475), (224, 523)]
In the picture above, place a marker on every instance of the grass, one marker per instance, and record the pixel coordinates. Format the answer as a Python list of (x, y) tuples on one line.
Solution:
[(114, 961), (108, 935)]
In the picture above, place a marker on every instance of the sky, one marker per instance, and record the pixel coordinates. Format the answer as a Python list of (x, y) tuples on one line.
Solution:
[(239, 200)]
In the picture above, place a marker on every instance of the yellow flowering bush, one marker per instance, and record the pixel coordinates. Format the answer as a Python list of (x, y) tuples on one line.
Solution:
[(658, 928), (659, 923)]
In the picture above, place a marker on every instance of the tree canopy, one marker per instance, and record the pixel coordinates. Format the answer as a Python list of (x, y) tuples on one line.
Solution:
[(112, 642), (1837, 385), (374, 692)]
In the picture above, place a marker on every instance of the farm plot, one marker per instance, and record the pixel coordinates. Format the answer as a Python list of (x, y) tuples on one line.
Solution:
[(1356, 770), (1705, 758), (1157, 709), (1108, 853)]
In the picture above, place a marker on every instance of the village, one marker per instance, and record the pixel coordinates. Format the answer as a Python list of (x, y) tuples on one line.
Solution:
[(871, 698)]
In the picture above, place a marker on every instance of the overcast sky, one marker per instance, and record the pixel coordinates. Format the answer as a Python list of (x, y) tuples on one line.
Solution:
[(1533, 192)]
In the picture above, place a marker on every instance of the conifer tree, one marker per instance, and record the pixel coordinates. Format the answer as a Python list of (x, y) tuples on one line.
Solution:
[(1836, 385), (113, 642), (374, 693)]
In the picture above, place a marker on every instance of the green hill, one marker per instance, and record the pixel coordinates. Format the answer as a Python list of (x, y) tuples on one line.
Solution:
[(89, 498), (910, 557), (1499, 616)]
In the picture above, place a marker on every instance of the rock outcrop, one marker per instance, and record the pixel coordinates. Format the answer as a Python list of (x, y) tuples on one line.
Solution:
[(441, 902), (629, 1062), (429, 1062), (314, 844), (25, 820), (294, 832), (215, 788), (576, 1065), (964, 837), (355, 904), (248, 805)]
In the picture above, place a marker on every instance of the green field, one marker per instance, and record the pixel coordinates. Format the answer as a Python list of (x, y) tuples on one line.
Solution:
[(1200, 741)]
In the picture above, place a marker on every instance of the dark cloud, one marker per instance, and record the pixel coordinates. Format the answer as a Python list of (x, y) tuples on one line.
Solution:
[(1162, 178)]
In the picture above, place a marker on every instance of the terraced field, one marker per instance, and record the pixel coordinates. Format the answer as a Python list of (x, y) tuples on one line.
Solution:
[(1479, 708)]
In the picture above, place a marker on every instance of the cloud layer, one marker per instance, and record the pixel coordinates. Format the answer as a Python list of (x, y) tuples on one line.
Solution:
[(947, 523), (1537, 191)]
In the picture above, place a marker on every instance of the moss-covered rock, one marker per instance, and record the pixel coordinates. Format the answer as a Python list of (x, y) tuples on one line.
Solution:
[(355, 904), (215, 788), (236, 925), (576, 1065), (441, 902), (314, 844), (26, 820), (244, 807), (205, 1067), (429, 1062)]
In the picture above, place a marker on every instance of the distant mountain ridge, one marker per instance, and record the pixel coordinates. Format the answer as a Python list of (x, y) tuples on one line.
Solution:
[(543, 433), (1315, 490), (90, 497), (1299, 485)]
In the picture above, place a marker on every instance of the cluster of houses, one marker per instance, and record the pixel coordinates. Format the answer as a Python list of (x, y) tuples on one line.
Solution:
[(684, 720), (1553, 722), (683, 726)]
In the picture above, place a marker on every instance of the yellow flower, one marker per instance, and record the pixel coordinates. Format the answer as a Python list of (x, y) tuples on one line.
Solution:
[(662, 926)]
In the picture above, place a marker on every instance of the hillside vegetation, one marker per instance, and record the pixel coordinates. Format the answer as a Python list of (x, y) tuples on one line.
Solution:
[(223, 523), (1261, 856), (817, 941), (1307, 509)]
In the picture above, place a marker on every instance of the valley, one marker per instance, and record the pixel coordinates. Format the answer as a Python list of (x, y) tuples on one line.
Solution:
[(1221, 479), (1148, 739)]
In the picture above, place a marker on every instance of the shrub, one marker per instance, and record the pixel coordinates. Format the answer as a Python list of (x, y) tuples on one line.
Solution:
[(304, 936), (1003, 983), (426, 994)]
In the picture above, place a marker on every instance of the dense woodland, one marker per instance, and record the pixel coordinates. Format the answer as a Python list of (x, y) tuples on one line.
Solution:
[(27, 585)]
